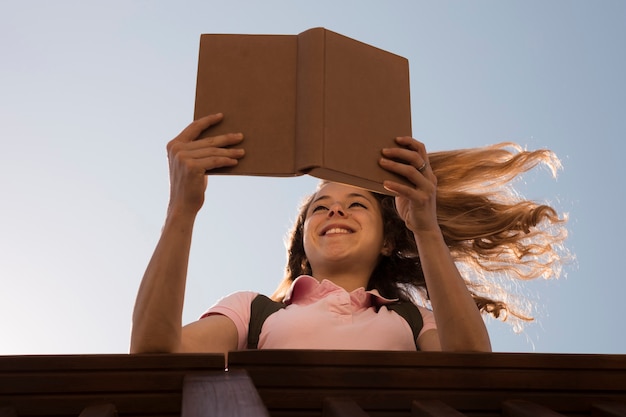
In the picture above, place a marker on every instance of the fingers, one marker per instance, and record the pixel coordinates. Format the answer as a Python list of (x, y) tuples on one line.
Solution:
[(189, 135), (207, 159), (209, 153), (201, 155), (219, 141), (416, 201), (409, 160), (195, 128)]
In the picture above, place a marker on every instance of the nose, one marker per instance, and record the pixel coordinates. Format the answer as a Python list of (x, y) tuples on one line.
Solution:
[(336, 209)]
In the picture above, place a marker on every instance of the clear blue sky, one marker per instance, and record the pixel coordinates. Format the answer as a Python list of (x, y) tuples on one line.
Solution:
[(90, 93)]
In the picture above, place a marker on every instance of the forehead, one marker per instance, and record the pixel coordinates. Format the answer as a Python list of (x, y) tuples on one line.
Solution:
[(332, 190)]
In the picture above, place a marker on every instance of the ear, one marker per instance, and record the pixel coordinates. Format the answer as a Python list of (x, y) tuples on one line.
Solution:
[(387, 249)]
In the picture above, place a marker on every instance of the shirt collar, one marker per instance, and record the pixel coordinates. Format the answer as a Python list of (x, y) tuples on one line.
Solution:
[(306, 289)]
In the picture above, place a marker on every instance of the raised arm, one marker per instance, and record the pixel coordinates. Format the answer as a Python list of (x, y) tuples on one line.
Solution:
[(157, 316), (460, 326)]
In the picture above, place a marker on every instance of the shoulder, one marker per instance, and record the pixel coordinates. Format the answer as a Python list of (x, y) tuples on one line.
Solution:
[(420, 319), (235, 306), (238, 301), (422, 323)]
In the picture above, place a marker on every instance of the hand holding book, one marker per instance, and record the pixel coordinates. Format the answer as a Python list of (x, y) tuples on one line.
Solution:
[(191, 157), (415, 203)]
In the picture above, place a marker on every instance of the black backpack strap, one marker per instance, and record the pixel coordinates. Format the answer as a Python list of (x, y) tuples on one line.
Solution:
[(260, 309), (409, 312)]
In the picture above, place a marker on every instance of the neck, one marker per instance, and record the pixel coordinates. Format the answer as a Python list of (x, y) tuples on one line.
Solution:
[(348, 279)]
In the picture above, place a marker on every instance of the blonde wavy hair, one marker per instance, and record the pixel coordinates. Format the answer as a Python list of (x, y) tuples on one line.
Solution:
[(496, 237)]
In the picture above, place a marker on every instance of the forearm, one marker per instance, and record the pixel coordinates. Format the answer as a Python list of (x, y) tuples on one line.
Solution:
[(157, 317), (459, 322)]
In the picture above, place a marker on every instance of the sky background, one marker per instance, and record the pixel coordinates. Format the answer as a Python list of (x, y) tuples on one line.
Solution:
[(91, 92)]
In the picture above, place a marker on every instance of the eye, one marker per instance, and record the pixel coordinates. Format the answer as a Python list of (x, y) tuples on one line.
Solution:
[(357, 204), (318, 208)]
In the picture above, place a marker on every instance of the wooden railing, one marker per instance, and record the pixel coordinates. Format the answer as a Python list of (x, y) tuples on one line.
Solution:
[(137, 385), (314, 383)]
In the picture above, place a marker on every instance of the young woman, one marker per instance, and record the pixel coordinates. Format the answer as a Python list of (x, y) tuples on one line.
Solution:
[(354, 254)]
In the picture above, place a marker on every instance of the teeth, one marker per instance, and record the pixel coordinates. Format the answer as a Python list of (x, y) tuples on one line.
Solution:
[(337, 230)]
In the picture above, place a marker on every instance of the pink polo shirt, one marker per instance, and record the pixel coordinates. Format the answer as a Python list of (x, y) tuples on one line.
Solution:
[(322, 315)]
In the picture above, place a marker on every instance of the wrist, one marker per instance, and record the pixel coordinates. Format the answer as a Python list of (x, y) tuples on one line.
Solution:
[(425, 236), (182, 209), (180, 217)]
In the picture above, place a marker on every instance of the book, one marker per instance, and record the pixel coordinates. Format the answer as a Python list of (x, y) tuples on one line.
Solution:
[(316, 103)]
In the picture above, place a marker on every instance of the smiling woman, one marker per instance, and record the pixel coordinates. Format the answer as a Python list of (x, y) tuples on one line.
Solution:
[(359, 262), (343, 235)]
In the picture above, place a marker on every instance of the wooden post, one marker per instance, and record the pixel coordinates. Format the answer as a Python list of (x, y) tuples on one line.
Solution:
[(221, 394), (519, 408), (433, 408), (99, 410), (608, 409), (340, 407)]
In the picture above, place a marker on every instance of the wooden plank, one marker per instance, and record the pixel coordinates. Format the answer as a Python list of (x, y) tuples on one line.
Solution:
[(477, 402), (519, 408), (221, 394), (99, 410), (434, 359), (295, 383), (92, 382), (99, 362), (92, 373), (342, 407), (319, 377), (608, 409), (7, 411), (372, 369), (433, 408), (71, 405), (475, 384), (63, 385), (429, 377)]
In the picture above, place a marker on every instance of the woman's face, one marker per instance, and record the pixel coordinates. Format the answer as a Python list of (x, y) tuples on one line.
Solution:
[(343, 225)]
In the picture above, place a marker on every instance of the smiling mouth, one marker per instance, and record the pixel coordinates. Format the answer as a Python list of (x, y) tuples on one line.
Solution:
[(337, 231)]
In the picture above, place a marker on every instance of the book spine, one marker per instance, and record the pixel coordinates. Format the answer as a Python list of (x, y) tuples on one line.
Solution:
[(310, 99)]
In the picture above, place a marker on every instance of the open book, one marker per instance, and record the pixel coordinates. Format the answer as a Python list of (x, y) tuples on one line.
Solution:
[(316, 103)]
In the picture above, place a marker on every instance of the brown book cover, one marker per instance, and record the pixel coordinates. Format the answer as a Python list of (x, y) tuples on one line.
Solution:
[(316, 103)]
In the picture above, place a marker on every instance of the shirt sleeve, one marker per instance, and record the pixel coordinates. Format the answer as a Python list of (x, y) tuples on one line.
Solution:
[(236, 307), (428, 319)]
